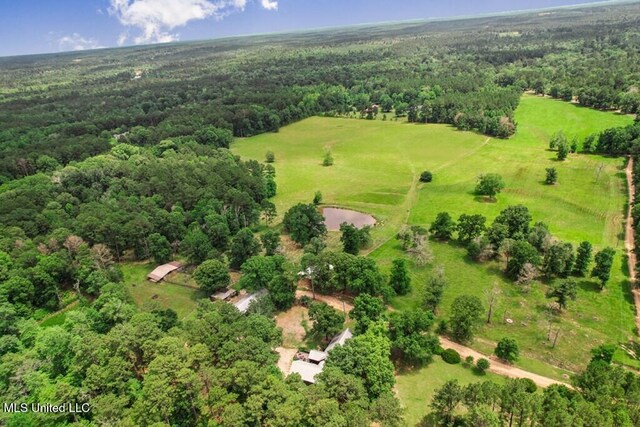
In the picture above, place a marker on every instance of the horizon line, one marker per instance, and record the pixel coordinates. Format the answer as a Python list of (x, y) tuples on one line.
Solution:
[(336, 27)]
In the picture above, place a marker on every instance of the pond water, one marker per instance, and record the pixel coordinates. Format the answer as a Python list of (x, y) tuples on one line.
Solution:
[(333, 217)]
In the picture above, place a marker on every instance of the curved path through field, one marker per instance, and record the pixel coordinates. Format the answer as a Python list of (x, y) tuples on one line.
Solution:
[(629, 241), (497, 366)]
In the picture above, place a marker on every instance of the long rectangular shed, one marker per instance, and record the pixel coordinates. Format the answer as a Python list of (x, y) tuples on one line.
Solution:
[(244, 303), (161, 271)]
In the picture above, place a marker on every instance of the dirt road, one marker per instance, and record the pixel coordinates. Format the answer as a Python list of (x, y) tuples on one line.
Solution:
[(332, 301), (629, 241), (497, 367)]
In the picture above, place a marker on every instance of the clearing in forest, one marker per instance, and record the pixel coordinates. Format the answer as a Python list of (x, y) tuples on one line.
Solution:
[(375, 170)]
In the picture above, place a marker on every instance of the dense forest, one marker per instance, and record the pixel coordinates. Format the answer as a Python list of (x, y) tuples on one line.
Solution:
[(63, 108), (122, 155)]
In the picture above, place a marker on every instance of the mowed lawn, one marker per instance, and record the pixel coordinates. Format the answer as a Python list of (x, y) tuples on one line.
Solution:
[(182, 299), (416, 388)]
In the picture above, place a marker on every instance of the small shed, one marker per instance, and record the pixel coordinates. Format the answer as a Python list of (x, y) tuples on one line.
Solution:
[(161, 271), (224, 295), (316, 356), (243, 304), (339, 339), (306, 370)]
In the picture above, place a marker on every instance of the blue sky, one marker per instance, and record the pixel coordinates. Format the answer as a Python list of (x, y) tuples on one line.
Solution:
[(40, 26)]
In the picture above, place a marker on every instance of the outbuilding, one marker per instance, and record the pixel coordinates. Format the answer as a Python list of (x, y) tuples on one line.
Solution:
[(339, 339), (316, 356), (224, 295), (161, 271), (244, 303), (306, 370)]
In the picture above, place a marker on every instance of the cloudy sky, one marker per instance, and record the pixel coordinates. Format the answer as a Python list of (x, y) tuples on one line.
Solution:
[(39, 26)]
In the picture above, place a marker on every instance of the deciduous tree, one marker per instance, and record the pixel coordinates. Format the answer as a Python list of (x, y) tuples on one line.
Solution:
[(212, 275), (507, 350), (159, 248), (490, 185), (434, 288), (443, 227), (466, 312), (327, 322), (366, 310), (304, 222), (469, 227)]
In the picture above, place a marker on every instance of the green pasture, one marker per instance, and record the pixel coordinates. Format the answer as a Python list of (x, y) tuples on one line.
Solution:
[(177, 294), (376, 168)]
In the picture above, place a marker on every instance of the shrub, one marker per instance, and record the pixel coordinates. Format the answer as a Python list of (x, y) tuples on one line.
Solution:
[(270, 157), (507, 349), (426, 176), (317, 198), (552, 176), (482, 365), (327, 160), (468, 361), (451, 356), (530, 386)]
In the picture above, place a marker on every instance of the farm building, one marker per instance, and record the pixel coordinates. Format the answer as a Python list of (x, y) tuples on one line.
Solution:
[(313, 364), (224, 295), (316, 356), (339, 339), (243, 304), (306, 370), (161, 271)]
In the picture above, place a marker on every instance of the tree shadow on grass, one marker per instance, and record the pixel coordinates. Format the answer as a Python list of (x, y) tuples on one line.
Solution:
[(403, 368), (589, 286), (484, 199), (428, 420)]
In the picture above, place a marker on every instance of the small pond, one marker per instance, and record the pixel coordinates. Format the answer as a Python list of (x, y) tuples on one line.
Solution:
[(333, 217)]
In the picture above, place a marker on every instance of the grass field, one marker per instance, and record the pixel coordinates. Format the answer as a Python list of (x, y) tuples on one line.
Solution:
[(416, 388), (58, 318), (376, 168), (179, 295), (376, 163)]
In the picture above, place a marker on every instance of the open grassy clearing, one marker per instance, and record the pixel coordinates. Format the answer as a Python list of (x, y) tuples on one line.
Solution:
[(179, 295), (59, 317), (375, 171), (376, 163), (416, 388)]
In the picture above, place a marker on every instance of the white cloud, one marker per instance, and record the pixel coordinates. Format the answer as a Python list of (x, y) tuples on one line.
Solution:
[(269, 4), (76, 42), (156, 19), (122, 38)]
